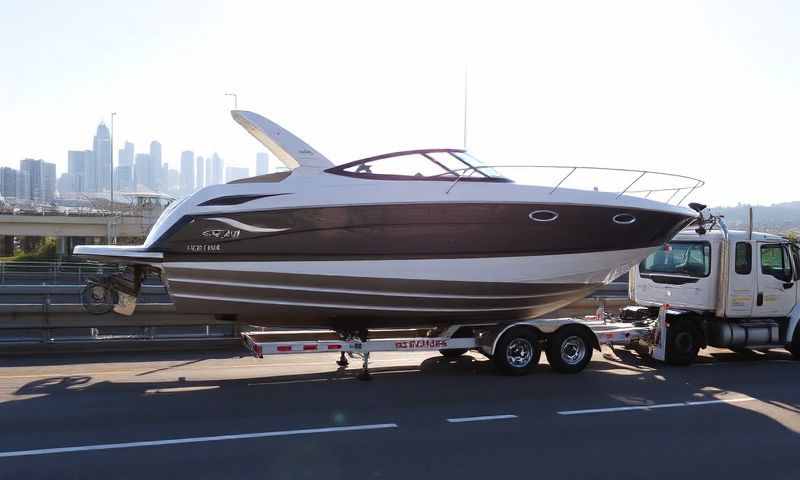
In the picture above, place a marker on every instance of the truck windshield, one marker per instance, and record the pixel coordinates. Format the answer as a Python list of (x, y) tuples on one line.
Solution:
[(691, 259)]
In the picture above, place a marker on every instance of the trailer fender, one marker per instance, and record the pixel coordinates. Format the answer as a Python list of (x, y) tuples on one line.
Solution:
[(487, 340)]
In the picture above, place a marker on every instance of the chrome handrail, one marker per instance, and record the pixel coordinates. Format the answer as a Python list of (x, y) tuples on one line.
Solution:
[(697, 183)]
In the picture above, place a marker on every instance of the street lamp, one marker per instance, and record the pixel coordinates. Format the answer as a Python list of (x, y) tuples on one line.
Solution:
[(235, 100)]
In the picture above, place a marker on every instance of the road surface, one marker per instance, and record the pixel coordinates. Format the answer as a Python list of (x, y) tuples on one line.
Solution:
[(186, 415)]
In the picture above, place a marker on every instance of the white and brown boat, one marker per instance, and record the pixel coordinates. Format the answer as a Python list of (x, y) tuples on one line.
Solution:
[(417, 238)]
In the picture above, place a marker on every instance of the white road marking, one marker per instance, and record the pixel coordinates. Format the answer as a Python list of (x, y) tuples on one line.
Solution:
[(480, 419), (177, 441), (698, 403)]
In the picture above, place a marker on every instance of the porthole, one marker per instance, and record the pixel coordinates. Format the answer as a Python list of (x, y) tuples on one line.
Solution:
[(543, 215), (623, 219)]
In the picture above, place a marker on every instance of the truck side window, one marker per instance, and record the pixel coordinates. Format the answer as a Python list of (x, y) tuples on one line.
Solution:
[(744, 258), (775, 262)]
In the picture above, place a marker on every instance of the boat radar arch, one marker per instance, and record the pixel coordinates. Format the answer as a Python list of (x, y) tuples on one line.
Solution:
[(286, 146)]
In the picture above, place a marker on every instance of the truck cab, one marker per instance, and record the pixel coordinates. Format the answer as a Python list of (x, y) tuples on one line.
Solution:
[(731, 289)]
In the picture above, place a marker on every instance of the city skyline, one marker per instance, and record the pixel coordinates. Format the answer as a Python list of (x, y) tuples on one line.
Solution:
[(89, 172)]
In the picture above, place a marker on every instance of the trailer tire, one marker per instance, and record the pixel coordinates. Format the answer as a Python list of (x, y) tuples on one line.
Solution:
[(453, 352), (570, 349), (517, 351), (683, 343)]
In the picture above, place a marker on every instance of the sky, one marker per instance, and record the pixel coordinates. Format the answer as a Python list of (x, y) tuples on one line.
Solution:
[(704, 89)]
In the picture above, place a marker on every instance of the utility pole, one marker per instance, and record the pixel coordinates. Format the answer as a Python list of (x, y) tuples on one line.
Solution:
[(113, 239), (235, 100)]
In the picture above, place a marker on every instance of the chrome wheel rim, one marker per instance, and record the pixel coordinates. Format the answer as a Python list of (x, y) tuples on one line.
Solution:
[(519, 353), (573, 350)]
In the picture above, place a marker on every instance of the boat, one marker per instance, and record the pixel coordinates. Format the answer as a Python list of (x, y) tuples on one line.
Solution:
[(420, 238)]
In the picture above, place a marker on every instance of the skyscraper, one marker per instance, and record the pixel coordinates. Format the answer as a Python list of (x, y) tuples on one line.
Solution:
[(154, 172), (8, 183), (216, 170), (187, 173), (209, 174), (126, 155), (38, 180), (262, 163), (235, 173), (200, 180), (78, 162), (141, 172), (102, 160)]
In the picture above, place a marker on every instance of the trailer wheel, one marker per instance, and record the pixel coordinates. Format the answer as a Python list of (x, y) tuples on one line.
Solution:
[(453, 352), (517, 351), (682, 344), (569, 350)]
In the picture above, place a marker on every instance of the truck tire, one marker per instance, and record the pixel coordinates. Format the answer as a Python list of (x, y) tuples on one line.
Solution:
[(683, 343), (453, 352), (570, 349), (517, 351), (794, 347)]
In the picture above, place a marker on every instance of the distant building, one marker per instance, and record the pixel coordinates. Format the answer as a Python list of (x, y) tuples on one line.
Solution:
[(124, 178), (141, 172), (200, 180), (187, 173), (77, 164), (217, 167), (8, 183), (66, 185), (235, 173), (173, 182), (101, 180), (262, 163), (163, 179), (126, 155), (38, 180), (154, 172)]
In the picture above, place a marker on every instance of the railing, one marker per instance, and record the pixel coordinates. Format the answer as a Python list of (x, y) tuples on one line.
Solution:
[(688, 184), (50, 273)]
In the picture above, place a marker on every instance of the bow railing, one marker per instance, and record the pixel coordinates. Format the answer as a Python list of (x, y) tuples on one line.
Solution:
[(685, 185)]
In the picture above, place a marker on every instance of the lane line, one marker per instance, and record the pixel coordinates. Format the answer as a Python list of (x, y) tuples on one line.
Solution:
[(177, 441), (484, 418), (698, 403), (197, 368)]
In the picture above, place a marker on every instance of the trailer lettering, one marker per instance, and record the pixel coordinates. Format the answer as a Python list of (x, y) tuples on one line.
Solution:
[(420, 344)]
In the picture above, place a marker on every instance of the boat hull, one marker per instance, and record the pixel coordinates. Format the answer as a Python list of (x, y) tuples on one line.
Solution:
[(348, 295)]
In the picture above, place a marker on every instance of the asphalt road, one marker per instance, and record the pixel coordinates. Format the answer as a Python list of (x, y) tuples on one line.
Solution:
[(153, 416)]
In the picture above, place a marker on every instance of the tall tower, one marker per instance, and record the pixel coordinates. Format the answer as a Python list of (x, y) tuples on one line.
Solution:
[(200, 180), (154, 172), (187, 173), (262, 163), (100, 178)]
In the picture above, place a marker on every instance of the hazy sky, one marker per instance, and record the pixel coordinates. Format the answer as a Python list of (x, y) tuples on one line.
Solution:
[(708, 89)]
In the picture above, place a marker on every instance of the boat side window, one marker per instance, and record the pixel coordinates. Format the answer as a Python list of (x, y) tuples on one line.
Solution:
[(691, 259), (744, 258), (775, 262)]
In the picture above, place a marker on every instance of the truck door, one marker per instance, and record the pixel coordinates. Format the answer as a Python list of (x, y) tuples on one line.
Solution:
[(741, 280), (775, 295)]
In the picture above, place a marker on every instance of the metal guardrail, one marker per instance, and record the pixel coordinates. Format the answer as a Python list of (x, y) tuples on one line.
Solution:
[(49, 273), (693, 183)]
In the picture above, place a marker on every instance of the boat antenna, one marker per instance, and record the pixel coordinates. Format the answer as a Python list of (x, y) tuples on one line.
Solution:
[(466, 84)]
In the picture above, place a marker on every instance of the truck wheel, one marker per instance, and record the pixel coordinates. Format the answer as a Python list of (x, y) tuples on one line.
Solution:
[(453, 352), (570, 349), (682, 344), (517, 351), (794, 347)]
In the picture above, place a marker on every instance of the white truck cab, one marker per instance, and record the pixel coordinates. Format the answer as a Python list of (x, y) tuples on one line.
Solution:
[(731, 289)]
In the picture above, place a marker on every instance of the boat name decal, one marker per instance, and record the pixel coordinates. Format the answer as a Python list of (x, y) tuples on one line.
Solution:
[(222, 233), (243, 226), (412, 344), (214, 247)]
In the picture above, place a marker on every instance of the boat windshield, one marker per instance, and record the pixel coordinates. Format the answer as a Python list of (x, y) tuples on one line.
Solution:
[(421, 165)]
